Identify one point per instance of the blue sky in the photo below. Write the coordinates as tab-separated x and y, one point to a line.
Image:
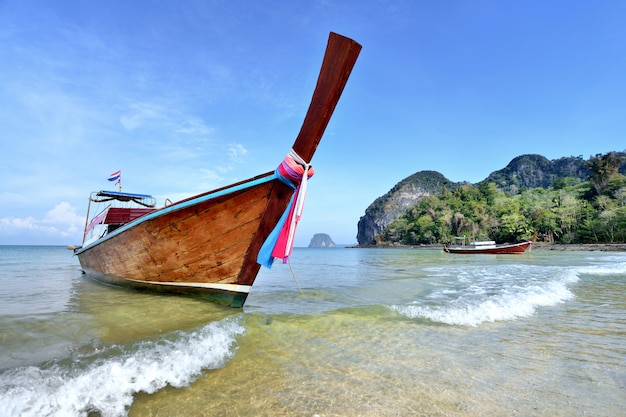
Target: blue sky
187	96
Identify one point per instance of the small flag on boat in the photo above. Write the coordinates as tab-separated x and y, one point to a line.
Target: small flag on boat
115	176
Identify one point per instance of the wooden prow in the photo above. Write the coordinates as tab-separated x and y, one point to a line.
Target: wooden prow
209	244
339	59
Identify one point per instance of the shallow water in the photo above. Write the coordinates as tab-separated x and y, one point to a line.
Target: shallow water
374	332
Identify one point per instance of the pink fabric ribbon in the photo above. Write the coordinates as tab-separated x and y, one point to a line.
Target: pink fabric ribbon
298	171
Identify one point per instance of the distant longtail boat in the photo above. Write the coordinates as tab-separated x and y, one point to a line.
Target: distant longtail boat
490	247
214	244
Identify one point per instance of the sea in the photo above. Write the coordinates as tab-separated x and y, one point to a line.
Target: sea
336	332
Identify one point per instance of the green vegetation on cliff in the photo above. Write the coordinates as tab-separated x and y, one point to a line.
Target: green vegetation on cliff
570	211
397	201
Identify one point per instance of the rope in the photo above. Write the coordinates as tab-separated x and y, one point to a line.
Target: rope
294	276
295	173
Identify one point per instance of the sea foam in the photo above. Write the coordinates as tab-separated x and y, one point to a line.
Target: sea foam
106	383
501	307
474	297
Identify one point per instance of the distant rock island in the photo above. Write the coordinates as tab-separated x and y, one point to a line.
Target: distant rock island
321	240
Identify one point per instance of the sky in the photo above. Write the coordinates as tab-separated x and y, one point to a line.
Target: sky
187	96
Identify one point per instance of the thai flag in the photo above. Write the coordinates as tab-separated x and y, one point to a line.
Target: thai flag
115	176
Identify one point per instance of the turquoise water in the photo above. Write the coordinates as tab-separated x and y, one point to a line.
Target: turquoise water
373	333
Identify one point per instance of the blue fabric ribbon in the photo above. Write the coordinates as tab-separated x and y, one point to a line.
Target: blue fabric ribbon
265	257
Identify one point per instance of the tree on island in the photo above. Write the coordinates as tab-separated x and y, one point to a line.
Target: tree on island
570	211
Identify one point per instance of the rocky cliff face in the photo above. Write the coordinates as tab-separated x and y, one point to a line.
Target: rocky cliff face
321	240
399	199
532	171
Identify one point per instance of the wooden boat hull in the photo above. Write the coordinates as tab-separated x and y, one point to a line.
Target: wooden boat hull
516	248
207	245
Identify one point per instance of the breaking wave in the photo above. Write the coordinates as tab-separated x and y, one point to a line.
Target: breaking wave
475	297
106	381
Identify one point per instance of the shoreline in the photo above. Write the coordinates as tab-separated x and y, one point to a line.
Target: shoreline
602	247
581	247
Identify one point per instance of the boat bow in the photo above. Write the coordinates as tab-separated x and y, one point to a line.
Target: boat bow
211	244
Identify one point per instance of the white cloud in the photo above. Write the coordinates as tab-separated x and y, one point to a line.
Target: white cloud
194	126
237	152
153	115
58	224
63	213
139	114
11	224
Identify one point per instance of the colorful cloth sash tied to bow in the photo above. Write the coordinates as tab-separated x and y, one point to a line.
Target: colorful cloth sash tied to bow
294	172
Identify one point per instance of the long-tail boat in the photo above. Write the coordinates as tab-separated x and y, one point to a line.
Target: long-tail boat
489	247
213	244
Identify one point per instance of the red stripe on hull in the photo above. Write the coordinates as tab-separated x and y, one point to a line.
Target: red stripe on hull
498	250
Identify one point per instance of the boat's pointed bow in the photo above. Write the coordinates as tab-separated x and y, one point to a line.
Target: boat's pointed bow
339	59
